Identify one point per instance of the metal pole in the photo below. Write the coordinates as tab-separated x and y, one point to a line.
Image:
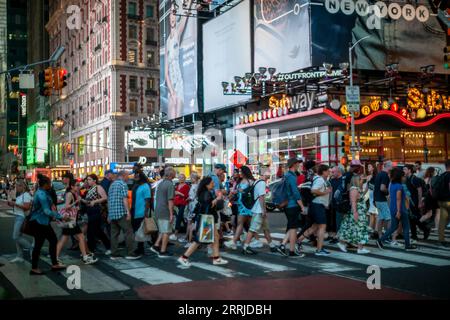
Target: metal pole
352	114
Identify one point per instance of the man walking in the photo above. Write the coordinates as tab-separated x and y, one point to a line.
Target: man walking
107	180
164	212
293	209
337	173
119	217
380	193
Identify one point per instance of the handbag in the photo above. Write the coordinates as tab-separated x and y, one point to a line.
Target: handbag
150	225
140	235
206	228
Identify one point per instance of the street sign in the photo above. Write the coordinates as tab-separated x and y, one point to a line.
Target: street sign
355	148
238	159
26	81
353	98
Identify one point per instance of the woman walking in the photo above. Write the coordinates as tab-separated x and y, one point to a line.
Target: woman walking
72	200
370	186
431	204
192	202
41	215
245	215
180	201
21	206
95	196
354	229
207	205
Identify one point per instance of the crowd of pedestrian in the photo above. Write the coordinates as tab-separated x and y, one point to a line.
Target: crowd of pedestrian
347	207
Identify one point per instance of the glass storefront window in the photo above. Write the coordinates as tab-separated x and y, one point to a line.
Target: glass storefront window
295	142
309	140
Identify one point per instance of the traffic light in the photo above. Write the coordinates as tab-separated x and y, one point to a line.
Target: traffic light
447	57
61	76
345	144
47	83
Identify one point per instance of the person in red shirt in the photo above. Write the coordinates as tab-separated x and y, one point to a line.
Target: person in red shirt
301	178
180	201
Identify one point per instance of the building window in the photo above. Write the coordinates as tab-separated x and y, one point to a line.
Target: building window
133	107
132	8
100	140
150	83
132	31
133	83
150	58
108	138
132	53
149	11
150	107
94	142
150	34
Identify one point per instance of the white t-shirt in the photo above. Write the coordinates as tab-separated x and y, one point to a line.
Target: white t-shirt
260	190
320	184
20	200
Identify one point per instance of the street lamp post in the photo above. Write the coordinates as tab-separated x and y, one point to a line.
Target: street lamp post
351	47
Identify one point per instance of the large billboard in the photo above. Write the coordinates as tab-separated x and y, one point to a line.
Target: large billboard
282	34
226	54
405	32
178	59
41	141
31	144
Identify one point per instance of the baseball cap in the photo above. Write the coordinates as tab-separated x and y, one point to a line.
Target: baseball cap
220	166
292	161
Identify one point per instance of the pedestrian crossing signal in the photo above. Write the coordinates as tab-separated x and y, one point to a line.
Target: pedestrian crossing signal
345	144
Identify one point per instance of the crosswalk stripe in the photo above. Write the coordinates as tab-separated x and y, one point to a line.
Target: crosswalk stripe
266	266
228	273
123	264
412	257
29	286
423	244
155	276
362	259
92	279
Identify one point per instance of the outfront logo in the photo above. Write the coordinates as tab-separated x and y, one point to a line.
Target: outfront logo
378	11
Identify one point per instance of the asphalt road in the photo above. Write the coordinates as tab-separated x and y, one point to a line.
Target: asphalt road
421	274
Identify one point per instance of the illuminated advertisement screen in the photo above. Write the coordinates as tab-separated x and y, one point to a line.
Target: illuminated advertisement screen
41	141
140	140
282	34
226	53
31	144
409	33
178	60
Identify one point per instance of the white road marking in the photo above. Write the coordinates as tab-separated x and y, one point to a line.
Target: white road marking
266	266
228	273
409	256
155	276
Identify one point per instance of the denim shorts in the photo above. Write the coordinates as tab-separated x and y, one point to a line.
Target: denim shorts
383	211
317	213
164	226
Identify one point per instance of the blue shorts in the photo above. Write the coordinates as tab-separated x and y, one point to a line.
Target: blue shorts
383	211
317	213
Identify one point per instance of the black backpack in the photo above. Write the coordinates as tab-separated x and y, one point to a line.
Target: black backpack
248	196
342	196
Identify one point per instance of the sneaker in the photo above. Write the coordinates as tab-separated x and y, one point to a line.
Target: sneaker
89	260
395	244
108	252
133	256
155	249
182	240
112	257
380	244
410	247
342	247
282	250
187	245
296	254
17	260
184	262
363	251
230	245
256	244
173	237
322	252
165	254
220	261
249	251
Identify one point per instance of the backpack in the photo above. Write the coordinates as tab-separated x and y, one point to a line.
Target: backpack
248	196
279	194
342	196
305	192
439	191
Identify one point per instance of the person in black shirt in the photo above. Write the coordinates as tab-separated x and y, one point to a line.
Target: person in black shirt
380	193
444	203
415	187
207	205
